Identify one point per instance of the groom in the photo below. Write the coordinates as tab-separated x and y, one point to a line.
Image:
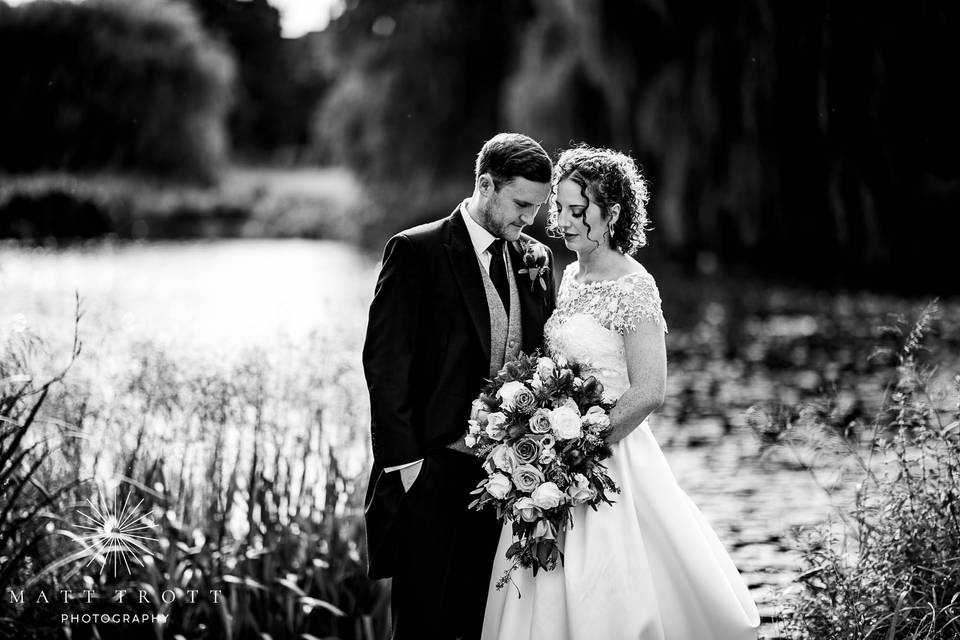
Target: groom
449	308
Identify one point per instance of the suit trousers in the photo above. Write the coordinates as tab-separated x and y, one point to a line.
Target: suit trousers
440	584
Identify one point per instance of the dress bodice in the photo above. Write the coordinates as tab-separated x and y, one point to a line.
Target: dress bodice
591	319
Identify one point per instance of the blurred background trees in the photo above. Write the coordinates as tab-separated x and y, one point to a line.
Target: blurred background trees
128	84
811	140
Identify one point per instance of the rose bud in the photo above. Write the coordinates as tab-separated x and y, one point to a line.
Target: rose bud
498	485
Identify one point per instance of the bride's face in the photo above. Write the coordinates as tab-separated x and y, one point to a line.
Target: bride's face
580	219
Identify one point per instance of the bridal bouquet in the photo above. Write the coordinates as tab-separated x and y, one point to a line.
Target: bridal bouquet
540	428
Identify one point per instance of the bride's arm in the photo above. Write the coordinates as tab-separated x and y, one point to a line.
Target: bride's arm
646	355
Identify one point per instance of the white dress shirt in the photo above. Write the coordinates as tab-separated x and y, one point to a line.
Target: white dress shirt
481	239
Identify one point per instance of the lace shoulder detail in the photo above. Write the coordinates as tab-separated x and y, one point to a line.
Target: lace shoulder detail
639	301
618	305
569	272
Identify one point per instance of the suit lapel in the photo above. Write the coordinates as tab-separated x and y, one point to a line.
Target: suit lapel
466	270
531	302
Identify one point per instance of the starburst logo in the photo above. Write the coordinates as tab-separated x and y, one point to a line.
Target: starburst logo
115	535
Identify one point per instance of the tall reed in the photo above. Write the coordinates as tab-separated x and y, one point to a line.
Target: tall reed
250	474
890	568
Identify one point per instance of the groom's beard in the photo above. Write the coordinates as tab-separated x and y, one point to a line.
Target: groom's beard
492	222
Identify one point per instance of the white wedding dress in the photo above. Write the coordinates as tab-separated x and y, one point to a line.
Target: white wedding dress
648	568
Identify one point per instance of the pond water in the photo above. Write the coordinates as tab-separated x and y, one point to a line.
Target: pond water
222	296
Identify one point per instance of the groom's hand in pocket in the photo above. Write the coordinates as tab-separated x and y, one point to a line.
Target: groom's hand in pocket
409	475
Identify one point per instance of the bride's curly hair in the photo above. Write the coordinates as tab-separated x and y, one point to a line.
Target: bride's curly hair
611	178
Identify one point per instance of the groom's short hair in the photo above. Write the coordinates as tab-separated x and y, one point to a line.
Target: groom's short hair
506	156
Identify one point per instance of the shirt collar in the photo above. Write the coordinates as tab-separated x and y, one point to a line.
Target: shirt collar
479	237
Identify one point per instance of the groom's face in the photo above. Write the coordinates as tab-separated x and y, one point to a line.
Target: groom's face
504	212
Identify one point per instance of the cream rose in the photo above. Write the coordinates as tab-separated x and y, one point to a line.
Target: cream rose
536	381
547	456
495	425
580	490
499	485
595	419
540	421
527	510
547	496
475	407
504	458
508	393
545	368
595	411
565	423
527	478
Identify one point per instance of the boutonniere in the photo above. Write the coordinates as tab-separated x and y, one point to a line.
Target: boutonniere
535	261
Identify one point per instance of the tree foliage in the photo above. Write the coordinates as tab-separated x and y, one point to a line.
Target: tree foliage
771	132
418	85
278	83
131	84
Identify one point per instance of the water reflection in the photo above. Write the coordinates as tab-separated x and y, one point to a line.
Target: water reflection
198	295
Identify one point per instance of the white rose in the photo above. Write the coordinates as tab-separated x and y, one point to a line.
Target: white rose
473	427
526	509
596	418
565	423
470	440
508	393
504	458
495	422
545	367
547	456
595	411
580	490
547	496
536	381
499	485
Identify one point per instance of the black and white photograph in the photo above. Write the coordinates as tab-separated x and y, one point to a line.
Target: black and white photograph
497	320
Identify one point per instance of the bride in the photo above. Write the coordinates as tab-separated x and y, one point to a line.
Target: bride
649	567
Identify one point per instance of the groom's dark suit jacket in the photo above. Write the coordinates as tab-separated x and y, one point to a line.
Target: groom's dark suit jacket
426	355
